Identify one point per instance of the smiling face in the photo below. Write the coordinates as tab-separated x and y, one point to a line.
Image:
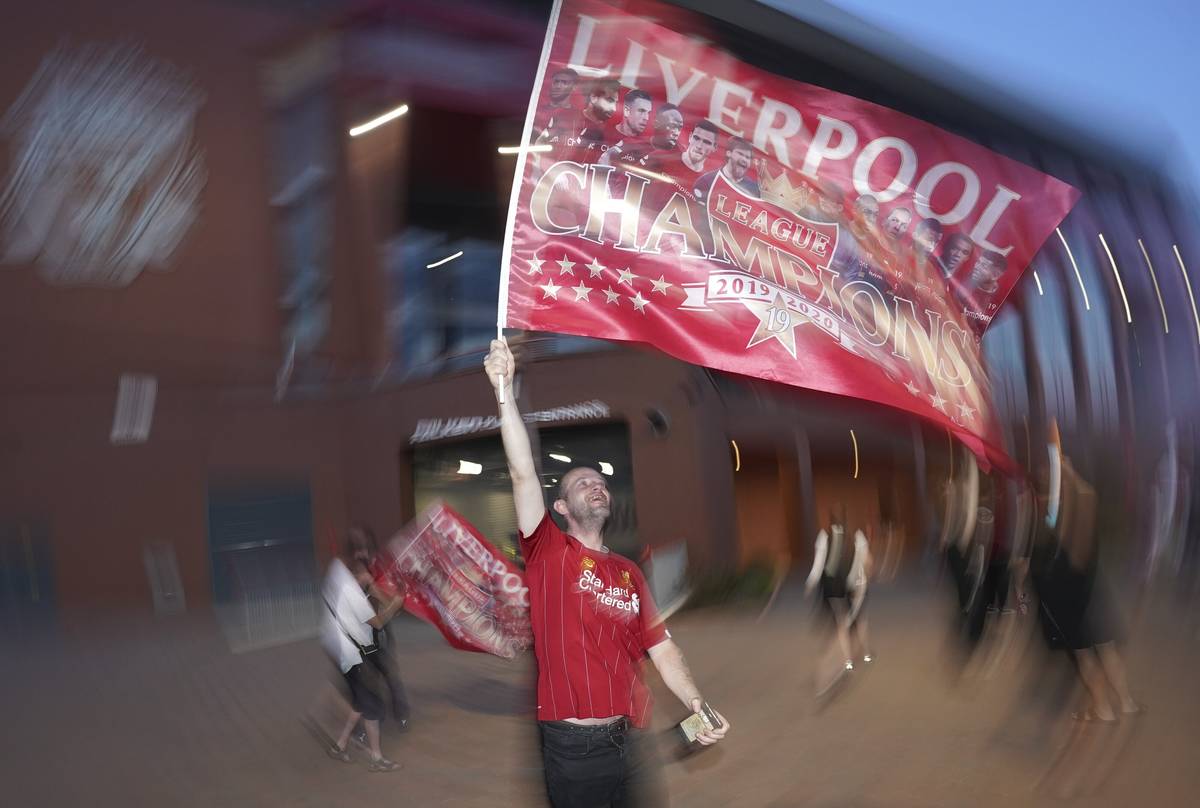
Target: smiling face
583	497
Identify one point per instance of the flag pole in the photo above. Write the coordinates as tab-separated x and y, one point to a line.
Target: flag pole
518	175
500	376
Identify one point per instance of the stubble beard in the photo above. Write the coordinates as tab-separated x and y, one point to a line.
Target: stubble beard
590	516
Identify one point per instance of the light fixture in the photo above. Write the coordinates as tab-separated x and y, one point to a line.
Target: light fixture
561	458
606	468
1117	274
539	147
737	456
444	260
390	115
1153	277
1191	297
854	443
1086	304
467	467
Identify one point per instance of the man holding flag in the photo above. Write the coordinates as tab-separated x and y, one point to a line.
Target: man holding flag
593	622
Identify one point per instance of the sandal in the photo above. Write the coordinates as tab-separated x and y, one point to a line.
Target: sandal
338	753
383	765
1089	715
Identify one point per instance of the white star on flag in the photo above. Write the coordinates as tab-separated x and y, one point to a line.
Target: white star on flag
549	290
612	296
626	277
595	268
535	266
566	267
639	302
939	403
775	321
912	388
965	411
581	292
661	286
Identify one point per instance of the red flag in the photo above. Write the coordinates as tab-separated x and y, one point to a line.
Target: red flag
458	582
747	222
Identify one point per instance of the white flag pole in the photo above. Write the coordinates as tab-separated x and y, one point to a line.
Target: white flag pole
518	176
500	376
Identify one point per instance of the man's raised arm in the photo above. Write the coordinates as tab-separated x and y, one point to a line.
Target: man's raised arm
527	488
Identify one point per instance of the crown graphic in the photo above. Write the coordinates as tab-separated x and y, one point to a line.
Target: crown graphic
779	190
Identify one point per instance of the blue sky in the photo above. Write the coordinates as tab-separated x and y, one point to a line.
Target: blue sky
1126	71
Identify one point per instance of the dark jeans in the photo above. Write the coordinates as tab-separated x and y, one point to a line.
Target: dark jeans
608	766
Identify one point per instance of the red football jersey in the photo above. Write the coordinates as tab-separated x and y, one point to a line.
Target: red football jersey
593	622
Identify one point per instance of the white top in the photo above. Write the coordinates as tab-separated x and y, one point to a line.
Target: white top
346	599
858	572
858	568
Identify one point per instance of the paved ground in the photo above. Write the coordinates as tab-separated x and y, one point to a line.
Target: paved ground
135	712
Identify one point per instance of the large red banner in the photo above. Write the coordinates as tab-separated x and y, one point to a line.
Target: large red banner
455	580
672	195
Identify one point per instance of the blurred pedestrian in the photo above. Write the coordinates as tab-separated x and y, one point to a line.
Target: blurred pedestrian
841	570
347	636
966	523
1073	606
862	569
384	588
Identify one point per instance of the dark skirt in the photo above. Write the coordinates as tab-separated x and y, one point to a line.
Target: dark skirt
1073	611
833	586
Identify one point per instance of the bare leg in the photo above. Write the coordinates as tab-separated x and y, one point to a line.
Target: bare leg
860	629
1097	686
373	739
1114	669
344	738
859	616
842	621
832	663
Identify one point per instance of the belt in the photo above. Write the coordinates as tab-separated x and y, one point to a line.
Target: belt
620	725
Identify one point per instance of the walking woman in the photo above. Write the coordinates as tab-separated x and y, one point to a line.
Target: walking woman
841	568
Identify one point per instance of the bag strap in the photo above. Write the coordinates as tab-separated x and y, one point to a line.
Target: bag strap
362	650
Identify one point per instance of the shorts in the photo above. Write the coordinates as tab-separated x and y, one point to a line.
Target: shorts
363	697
